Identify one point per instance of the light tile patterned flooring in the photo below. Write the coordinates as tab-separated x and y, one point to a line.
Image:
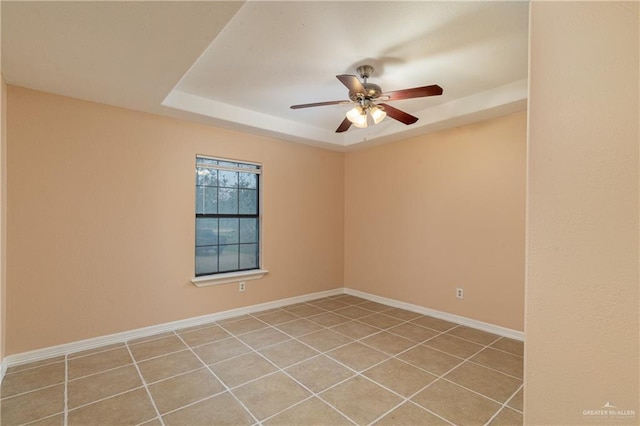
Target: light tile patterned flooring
332	361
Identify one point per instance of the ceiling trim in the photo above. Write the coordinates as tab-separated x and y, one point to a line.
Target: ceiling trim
479	106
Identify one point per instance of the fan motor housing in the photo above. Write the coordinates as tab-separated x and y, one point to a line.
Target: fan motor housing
372	91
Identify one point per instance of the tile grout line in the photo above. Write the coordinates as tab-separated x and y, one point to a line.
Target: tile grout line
278	369
503	351
313	395
317	355
408	399
34	390
187	347
506	403
51	416
359	340
138	387
144	384
227	388
134	363
22	370
389	356
439	333
404	321
468	359
107	397
182	373
402	397
440	377
332	328
388	329
493	369
298	317
282	370
99	372
168	353
356	373
513	396
501	409
222	392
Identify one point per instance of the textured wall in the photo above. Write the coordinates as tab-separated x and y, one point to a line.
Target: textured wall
101	219
3	215
582	239
429	214
3	185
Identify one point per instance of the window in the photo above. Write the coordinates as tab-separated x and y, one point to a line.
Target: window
227	216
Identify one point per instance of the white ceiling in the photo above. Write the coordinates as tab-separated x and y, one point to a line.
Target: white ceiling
241	65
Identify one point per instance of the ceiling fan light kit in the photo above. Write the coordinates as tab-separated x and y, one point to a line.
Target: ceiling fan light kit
377	113
365	95
358	116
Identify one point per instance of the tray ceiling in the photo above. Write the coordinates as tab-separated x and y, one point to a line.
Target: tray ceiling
240	65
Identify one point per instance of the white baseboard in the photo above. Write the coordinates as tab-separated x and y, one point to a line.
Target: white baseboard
484	326
3	369
82	345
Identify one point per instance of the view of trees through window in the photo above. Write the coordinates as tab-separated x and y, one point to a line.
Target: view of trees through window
227	216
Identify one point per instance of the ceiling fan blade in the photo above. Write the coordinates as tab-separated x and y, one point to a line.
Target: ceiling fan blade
352	83
317	104
344	126
416	92
396	114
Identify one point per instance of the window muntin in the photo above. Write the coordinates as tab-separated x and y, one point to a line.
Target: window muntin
227	216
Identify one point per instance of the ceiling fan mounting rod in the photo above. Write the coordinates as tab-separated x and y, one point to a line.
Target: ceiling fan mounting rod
365	71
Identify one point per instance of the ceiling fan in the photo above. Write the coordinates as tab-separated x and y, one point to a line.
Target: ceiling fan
368	96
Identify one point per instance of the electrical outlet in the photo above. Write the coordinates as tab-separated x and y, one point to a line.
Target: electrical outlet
242	286
459	293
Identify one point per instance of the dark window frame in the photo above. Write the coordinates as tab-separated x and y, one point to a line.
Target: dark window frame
253	168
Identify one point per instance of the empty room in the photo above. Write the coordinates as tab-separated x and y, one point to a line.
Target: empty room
319	213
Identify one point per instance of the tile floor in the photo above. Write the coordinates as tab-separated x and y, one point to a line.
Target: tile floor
332	361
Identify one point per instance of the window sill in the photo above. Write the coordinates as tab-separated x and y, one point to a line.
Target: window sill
208	280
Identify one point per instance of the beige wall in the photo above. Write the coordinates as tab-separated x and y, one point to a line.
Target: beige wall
100	220
3	210
3	129
445	210
582	238
101	224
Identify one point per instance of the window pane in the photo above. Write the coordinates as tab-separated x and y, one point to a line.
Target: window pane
226	241
229	258
210	200
248	201
248	166
248	230
206	260
208	177
248	180
229	231
227	201
228	163
227	179
248	256
199	199
205	160
206	200
206	232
